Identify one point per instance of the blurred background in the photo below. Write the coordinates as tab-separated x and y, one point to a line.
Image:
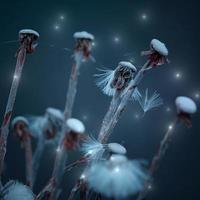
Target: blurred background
122	30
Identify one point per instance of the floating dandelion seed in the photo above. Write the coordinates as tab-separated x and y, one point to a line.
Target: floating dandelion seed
20	127
14	190
122	177
185	108
27	39
150	103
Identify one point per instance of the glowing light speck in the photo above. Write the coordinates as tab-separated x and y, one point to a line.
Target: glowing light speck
168	109
62	17
58	150
82	176
149	187
15	76
178	75
144	16
170	127
116	39
116	169
197	95
56	27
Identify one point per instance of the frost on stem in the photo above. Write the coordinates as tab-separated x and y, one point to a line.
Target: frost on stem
185	108
117	177
27	38
149	103
13	190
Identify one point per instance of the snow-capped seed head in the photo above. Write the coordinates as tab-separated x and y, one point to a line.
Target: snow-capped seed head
123	74
19	119
159	47
75	125
118	159
116	148
14	190
185	105
83	35
83	46
29	32
128	64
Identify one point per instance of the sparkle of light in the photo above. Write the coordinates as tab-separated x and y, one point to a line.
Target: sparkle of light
56	27
149	187
116	39
82	176
197	95
58	150
170	127
168	109
15	76
144	16
116	169
62	17
178	75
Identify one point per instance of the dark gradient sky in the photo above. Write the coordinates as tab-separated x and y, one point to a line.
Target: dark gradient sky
45	78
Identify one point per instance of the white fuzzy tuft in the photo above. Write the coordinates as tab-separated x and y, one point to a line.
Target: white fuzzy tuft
104	81
14	190
136	95
93	149
149	103
118	181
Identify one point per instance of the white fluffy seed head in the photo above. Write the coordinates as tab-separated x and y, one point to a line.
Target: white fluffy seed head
75	125
118	181
159	47
185	105
14	190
